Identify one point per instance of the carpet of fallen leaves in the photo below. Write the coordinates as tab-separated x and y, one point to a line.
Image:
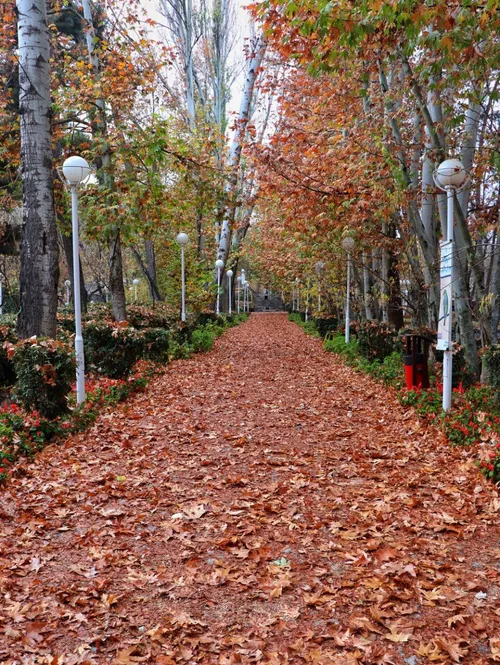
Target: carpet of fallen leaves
260	503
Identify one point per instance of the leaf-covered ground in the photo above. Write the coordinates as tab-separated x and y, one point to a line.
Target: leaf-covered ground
260	503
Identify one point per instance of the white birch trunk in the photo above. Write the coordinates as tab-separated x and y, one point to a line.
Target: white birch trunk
234	159
366	289
39	251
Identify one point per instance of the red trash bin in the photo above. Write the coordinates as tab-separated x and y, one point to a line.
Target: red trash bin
416	354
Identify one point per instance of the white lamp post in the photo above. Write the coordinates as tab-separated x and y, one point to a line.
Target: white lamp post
297	291
135	282
245	296
348	245
182	240
219	264
238	289
449	176
307	300
67	284
230	285
75	171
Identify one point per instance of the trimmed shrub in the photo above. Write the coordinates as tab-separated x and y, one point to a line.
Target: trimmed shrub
66	320
45	370
336	344
203	339
112	349
325	324
376	340
143	317
156	344
203	318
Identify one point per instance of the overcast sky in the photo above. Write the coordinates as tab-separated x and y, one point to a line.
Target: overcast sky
242	34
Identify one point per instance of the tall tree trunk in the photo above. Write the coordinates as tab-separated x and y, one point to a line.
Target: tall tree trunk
118	305
148	269
39	274
149	248
234	159
115	262
366	289
495	288
384	289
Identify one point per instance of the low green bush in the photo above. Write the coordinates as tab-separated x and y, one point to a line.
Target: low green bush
140	316
112	350
66	320
376	340
205	317
326	324
45	371
156	344
22	434
391	370
202	339
336	344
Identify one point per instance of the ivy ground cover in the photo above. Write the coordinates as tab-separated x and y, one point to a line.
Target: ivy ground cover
260	503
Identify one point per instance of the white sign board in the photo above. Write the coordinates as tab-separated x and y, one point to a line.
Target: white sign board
444	341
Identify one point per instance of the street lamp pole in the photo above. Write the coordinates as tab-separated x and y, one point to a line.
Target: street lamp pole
243	284
230	285
182	240
238	291
219	264
450	176
307	300
135	282
348	245
75	171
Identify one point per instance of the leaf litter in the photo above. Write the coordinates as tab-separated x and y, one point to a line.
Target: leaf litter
261	503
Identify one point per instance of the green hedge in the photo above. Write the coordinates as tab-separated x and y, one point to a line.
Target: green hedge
326	325
45	370
156	344
112	350
376	340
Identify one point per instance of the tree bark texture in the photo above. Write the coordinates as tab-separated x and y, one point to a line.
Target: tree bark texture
259	48
118	306
116	286
39	273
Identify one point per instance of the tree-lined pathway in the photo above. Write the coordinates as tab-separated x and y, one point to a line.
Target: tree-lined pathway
260	503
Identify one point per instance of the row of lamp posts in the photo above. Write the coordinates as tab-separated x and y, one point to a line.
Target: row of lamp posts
75	172
450	176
